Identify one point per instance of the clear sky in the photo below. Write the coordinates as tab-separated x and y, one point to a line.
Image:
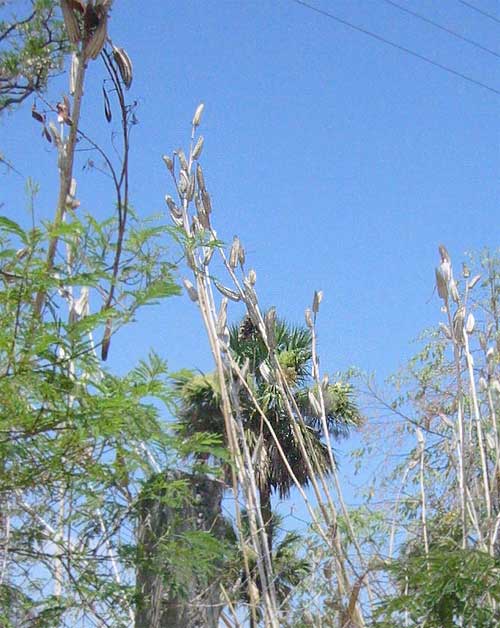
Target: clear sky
341	161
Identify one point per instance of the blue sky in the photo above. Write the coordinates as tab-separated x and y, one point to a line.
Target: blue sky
340	161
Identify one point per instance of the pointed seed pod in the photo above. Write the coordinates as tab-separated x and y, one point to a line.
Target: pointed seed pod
70	21
200	178
75	62
182	159
172	206
465	271
222	316
55	134
454	292
191	290
183	182
252	277
441	284
445	256
318	296
207	204
458	324
469	325
226	292
309	318
198	148
107	105
482	384
234	252
124	64
191	188
98	37
197	114
38	116
168	162
473	281
270	324
495	386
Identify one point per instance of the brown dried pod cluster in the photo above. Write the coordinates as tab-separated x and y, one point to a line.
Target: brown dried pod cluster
124	65
87	23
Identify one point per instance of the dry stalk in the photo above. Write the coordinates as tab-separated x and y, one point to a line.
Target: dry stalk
199	235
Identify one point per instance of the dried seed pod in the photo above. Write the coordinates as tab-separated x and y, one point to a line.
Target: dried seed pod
225	337
483	385
207	204
75	62
95	28
309	318
107	105
182	159
325	383
38	116
202	215
458	324
495	386
469	325
172	206
208	252
252	277
168	162
473	281
198	148
270	324
226	292
441	283
70	20
454	292
465	271
483	343
200	178
318	296
191	290
124	64
191	188
183	182
234	252
197	114
445	256
47	135
250	294
222	316
241	257
55	134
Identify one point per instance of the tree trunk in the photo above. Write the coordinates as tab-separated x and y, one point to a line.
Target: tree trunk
161	604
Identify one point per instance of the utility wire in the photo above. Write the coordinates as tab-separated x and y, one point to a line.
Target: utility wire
443	28
471	6
417	55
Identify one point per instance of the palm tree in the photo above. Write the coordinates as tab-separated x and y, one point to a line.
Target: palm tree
199	397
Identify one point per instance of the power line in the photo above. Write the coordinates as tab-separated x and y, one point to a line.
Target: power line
443	28
417	55
471	6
